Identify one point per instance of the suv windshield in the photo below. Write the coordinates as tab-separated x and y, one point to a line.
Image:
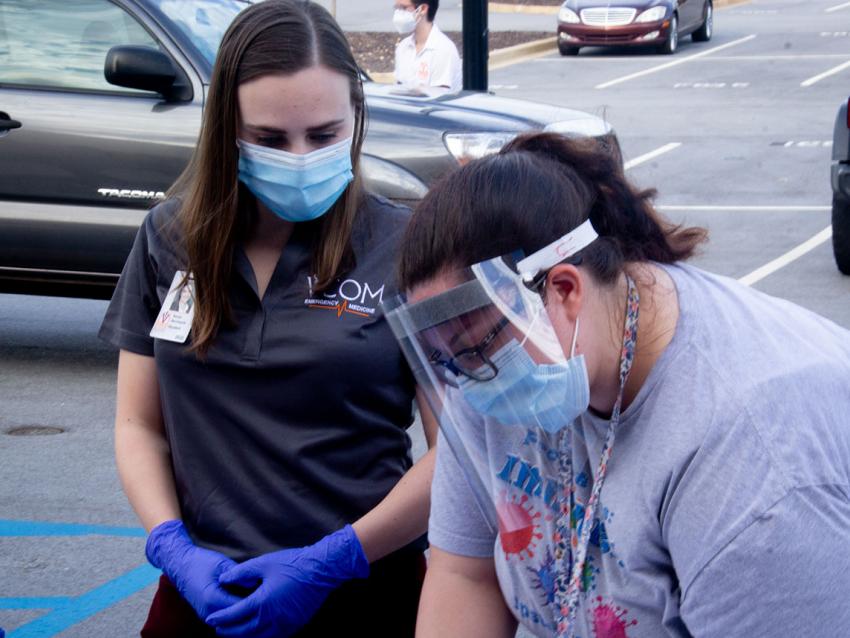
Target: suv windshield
202	22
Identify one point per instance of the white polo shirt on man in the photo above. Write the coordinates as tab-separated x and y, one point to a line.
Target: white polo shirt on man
437	64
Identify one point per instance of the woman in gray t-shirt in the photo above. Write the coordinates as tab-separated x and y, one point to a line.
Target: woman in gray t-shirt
630	446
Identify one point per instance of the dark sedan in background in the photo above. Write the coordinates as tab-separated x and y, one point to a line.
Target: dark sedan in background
658	23
100	108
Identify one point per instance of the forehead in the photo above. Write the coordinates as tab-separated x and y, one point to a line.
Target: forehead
307	98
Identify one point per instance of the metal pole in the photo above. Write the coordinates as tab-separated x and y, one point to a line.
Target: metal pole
475	45
333	8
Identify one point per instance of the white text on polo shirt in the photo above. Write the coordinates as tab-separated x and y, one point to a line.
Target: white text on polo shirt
350	296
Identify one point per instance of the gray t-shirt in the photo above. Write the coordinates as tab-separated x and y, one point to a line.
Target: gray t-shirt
726	507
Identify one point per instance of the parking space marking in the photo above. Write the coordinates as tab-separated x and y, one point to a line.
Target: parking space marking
825	74
65	611
674	207
711	85
759	58
669	65
804	144
651	155
780	262
837	7
47	528
76	610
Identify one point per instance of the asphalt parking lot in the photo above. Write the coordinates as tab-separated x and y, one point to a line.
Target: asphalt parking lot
734	133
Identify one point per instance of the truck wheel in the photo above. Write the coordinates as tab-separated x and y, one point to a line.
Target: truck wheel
841	234
703	34
567	50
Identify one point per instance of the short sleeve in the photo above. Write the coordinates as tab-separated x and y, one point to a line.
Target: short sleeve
786	574
135	304
445	66
457	524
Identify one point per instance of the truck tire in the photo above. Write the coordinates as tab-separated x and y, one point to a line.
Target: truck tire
841	233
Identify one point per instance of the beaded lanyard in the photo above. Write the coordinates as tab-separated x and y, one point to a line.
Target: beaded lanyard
567	541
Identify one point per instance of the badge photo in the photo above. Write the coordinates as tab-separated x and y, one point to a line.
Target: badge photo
178	309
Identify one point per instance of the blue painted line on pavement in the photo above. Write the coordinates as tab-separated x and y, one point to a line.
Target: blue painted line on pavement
46	528
78	609
46	602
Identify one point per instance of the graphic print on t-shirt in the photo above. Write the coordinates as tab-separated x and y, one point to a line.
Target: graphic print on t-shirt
527	505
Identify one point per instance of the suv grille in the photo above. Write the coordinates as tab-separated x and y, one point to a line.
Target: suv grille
608	16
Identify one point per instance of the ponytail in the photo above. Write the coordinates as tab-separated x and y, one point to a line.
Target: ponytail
630	228
536	189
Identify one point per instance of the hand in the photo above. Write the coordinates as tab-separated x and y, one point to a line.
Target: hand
293	584
193	570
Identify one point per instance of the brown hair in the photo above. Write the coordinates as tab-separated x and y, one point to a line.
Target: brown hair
270	37
536	189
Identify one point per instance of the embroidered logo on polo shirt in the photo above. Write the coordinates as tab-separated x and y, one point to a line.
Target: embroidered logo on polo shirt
350	296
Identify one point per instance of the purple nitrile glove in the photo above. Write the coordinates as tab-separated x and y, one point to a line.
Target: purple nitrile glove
193	570
293	584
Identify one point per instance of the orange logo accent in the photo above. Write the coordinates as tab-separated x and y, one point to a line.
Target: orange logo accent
340	308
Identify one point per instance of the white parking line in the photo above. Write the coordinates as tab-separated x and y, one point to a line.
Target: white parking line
825	74
745	209
651	155
655	69
780	262
837	7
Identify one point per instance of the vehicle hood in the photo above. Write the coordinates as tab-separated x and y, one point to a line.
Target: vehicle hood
576	5
477	111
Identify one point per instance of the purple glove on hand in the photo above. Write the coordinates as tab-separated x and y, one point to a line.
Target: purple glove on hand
193	570
290	584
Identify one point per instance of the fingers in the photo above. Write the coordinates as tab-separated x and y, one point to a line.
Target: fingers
248	575
247	628
244	612
218	598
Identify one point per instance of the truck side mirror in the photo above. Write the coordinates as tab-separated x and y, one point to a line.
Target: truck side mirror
147	69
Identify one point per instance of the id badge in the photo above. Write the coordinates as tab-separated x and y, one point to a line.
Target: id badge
175	317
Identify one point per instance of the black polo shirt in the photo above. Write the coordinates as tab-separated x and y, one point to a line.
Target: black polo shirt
294	424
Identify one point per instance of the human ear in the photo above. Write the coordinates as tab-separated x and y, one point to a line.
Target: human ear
565	288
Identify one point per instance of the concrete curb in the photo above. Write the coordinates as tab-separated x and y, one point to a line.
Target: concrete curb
535	9
498	58
521	52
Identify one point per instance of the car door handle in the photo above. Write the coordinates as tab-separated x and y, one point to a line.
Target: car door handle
7	123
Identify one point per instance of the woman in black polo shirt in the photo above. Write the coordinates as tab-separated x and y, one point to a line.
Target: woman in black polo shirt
260	431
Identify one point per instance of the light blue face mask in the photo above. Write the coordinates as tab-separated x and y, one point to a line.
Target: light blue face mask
297	188
525	393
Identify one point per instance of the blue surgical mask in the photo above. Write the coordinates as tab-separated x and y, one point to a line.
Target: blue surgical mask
297	188
525	393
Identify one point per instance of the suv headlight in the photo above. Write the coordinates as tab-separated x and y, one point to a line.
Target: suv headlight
568	15
652	15
466	147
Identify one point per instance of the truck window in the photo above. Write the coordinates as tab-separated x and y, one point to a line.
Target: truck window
61	44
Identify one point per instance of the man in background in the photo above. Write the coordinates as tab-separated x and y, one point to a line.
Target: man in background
426	57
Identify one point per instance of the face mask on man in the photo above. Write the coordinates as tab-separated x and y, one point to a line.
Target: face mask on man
296	188
405	21
526	393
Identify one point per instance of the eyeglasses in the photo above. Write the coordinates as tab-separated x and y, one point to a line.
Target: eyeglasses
469	362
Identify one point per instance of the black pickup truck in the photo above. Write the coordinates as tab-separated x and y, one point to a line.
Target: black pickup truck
85	150
841	188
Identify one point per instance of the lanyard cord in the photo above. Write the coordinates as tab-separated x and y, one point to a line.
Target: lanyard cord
570	547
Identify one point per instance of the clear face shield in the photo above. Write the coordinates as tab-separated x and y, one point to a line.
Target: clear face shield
484	353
